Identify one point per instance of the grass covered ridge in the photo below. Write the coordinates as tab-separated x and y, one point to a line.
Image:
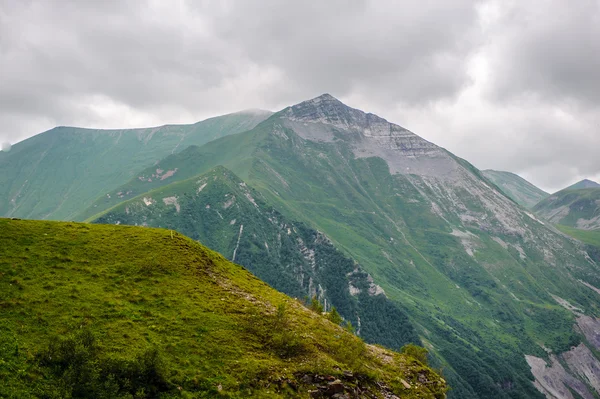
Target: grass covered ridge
116	311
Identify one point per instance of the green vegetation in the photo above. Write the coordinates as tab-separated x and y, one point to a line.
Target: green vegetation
59	173
221	211
590	237
123	312
515	187
577	208
494	302
439	257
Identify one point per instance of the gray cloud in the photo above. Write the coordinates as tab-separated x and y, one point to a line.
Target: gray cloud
506	85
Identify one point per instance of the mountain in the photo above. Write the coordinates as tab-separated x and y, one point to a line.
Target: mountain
57	173
583	184
515	187
579	208
113	311
220	210
506	304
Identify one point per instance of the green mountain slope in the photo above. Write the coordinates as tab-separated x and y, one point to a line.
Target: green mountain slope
123	312
475	272
220	210
579	208
586	236
518	189
57	174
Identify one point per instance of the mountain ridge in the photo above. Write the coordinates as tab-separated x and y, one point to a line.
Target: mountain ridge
517	188
585	183
51	174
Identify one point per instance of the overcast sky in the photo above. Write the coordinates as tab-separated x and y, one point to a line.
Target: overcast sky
508	85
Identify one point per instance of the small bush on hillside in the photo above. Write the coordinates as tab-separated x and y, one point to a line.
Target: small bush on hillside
275	332
415	352
83	372
334	317
285	342
315	305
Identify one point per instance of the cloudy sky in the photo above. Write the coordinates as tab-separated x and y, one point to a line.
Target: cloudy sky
508	85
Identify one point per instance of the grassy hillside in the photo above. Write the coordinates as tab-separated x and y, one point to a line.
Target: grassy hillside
223	212
577	208
123	312
520	190
59	173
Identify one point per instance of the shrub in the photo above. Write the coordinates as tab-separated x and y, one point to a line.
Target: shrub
334	317
416	352
83	372
315	305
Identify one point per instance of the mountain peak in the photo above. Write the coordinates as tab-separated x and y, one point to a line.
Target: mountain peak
585	183
331	111
326	119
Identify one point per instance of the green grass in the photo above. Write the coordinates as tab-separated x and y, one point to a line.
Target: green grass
590	237
59	173
515	187
160	307
576	208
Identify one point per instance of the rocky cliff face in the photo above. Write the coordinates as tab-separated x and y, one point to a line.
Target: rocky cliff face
326	119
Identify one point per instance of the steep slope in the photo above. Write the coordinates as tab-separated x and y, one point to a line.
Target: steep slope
474	271
107	311
585	183
220	210
518	189
579	208
57	174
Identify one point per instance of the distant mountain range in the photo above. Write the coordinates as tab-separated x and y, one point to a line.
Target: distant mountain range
410	242
520	190
583	184
576	206
56	173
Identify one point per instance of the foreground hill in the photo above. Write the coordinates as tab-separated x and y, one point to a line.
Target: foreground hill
473	270
518	189
118	312
56	174
578	208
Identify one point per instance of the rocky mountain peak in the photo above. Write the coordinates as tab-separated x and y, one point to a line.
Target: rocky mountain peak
331	111
326	119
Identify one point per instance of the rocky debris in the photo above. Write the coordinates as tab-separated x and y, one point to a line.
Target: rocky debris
350	386
554	381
